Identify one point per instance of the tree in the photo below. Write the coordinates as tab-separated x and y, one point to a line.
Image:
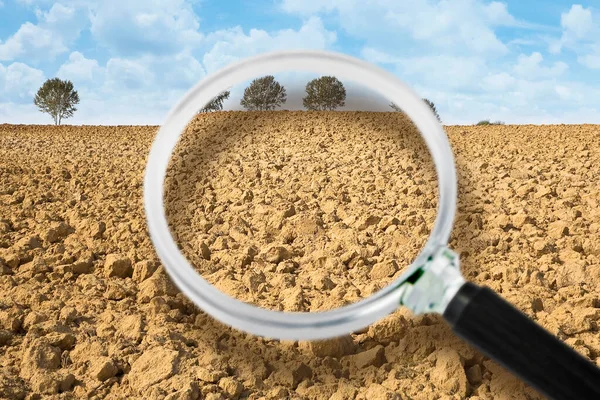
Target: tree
216	104
427	101
324	93
432	106
57	98
263	94
395	107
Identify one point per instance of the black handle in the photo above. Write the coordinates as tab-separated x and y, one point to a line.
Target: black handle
483	318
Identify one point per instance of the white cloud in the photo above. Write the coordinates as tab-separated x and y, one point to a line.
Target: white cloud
153	73
149	85
305	7
530	67
447	71
72	3
232	44
141	88
468	89
79	69
577	22
56	15
449	25
379	57
461	26
19	82
137	27
498	82
580	28
31	39
123	74
591	61
449	52
137	90
180	71
55	31
563	92
497	14
22	113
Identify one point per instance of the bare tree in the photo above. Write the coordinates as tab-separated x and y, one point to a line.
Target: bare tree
324	93
263	94
57	98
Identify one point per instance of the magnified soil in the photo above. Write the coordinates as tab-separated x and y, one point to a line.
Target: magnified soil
87	311
301	212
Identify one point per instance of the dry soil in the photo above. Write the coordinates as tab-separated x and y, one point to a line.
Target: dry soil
294	211
307	214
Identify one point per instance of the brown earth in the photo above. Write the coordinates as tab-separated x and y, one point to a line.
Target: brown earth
307	215
86	310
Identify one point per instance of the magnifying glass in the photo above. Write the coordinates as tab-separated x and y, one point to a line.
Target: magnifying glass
431	284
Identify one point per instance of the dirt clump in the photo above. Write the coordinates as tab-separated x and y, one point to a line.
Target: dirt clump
295	211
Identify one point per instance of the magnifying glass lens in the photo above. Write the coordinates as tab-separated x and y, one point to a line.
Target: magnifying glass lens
305	201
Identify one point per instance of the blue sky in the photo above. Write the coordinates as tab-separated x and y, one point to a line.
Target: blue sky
535	61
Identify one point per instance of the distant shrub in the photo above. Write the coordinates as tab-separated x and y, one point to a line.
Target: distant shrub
488	122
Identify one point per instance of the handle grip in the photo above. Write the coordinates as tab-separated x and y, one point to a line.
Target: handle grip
483	318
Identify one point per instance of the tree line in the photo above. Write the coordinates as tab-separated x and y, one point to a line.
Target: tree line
59	98
265	94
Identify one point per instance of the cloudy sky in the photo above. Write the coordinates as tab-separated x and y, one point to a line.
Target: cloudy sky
534	61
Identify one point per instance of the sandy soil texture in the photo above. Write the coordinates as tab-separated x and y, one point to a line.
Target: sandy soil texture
87	311
305	215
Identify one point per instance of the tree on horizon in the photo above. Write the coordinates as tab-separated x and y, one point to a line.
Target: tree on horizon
324	93
57	98
264	94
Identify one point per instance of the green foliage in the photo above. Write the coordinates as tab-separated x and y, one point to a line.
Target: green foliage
396	108
57	98
487	122
324	93
263	94
216	104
